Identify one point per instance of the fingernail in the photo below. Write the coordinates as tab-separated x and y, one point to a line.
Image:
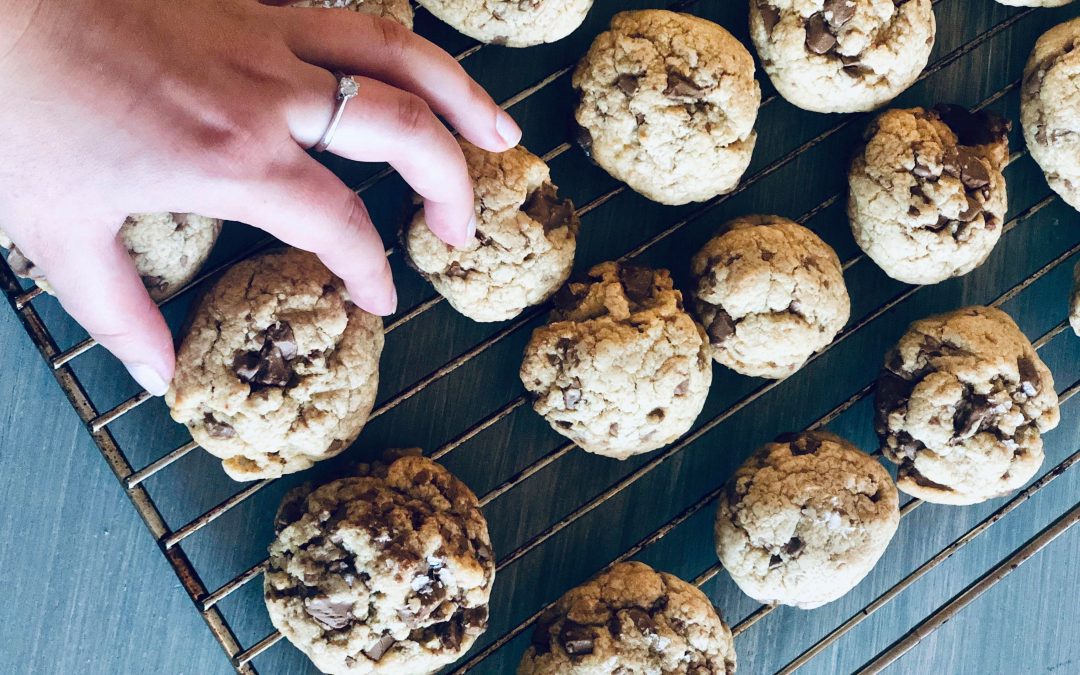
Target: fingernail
508	129
148	378
470	231
392	306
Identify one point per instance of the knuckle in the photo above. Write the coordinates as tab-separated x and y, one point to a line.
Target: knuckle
393	39
413	115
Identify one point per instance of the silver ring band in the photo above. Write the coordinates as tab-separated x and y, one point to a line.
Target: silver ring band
346	89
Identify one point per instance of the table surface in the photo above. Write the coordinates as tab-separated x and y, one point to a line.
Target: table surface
89	591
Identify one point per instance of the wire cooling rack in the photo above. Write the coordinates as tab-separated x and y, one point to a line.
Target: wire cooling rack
558	515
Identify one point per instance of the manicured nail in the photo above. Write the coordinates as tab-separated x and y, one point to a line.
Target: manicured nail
148	378
393	302
470	231
508	129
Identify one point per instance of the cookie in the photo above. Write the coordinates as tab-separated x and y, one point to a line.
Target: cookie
842	55
621	369
398	10
631	619
1050	108
667	104
770	293
386	571
805	519
511	23
525	239
279	369
167	248
961	404
927	196
1074	301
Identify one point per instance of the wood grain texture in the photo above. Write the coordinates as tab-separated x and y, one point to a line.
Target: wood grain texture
84	601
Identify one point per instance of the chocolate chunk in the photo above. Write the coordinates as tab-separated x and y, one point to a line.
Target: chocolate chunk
971	212
770	15
584	140
475	619
571	397
246	365
839	12
775	561
627	83
950	162
680	86
970	415
154	282
576	640
794	546
545	207
639	118
819	40
330	614
568	297
613	430
1029	377
450	633
456	270
637	282
721	327
272	370
973	173
642	620
216	428
379	649
281	336
807	444
682	387
893	391
973	128
908	470
922	171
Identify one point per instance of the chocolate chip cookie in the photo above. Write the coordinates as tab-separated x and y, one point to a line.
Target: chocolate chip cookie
770	293
805	519
668	104
927	195
631	619
842	55
511	23
622	368
398	10
1050	108
168	249
525	240
961	404
386	571
279	369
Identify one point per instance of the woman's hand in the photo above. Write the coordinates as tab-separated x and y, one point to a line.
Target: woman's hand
111	107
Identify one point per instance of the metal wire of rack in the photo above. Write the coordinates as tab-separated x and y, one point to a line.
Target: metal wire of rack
208	600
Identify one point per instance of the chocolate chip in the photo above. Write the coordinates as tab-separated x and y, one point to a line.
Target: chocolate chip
655	416
770	15
682	387
807	444
571	397
642	620
970	415
973	128
544	206
584	140
680	86
639	118
794	546
1029	377
268	366
973	173
379	649
281	336
721	327
971	212
627	83
218	429
839	12
450	633
775	561
273	371
637	282
922	171
330	614
154	283
576	640
613	430
456	270
819	40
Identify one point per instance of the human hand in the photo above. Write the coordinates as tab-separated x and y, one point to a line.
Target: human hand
111	107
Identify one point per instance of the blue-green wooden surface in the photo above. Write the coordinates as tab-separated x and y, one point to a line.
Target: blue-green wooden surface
87	590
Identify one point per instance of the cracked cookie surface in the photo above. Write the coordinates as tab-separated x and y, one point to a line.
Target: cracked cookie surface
386	571
621	368
805	519
927	196
278	369
667	104
1050	108
398	10
525	240
770	293
511	23
961	406
631	620
842	55
168	249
